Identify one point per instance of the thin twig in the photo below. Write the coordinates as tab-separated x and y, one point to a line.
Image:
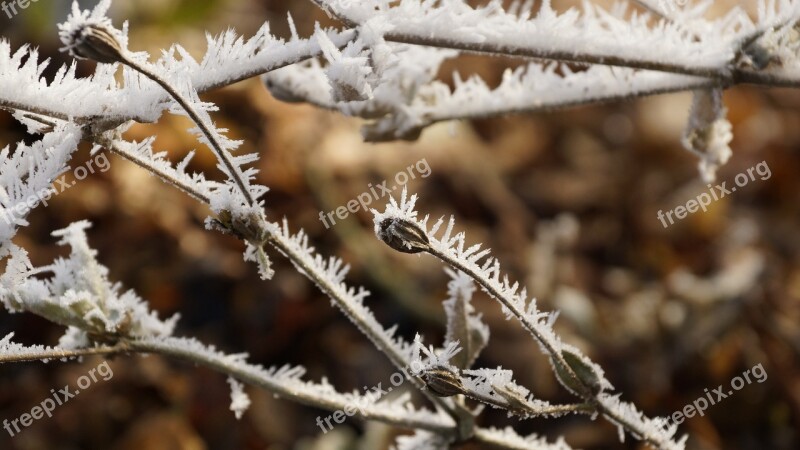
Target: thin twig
146	165
527	411
726	76
254	376
334	292
490	48
434	117
223	155
248	374
58	353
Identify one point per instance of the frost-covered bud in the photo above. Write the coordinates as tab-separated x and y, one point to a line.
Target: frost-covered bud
250	227
587	377
403	235
442	382
96	42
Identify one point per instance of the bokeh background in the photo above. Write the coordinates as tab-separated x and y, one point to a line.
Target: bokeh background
566	200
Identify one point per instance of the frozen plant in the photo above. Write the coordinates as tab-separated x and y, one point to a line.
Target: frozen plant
381	66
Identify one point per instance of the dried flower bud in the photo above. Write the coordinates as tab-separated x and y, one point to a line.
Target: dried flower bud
442	382
586	374
403	235
250	228
96	42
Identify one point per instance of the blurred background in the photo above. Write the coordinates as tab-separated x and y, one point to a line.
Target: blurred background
568	202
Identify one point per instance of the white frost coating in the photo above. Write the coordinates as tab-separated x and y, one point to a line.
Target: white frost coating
400	96
10	349
508	438
365	65
464	325
78	294
781	47
253	253
231	196
430	358
287	381
239	399
302	82
487	382
350	300
348	70
239	192
708	132
718	151
592	31
612	37
142	153
29	173
658	430
422	440
480	384
228	58
534	87
73	339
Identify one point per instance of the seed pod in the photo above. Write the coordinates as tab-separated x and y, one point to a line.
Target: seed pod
97	43
586	375
442	382
403	235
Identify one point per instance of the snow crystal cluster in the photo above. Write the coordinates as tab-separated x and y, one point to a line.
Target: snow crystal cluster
78	294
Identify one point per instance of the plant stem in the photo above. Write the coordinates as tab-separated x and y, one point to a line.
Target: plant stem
222	154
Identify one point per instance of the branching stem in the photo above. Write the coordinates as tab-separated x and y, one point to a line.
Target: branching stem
222	154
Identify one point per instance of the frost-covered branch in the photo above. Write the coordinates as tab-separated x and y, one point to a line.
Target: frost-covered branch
27	176
286	382
80	297
508	438
142	155
329	278
328	274
15	352
593	35
494	387
228	59
465	327
399	227
402	114
91	35
533	88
